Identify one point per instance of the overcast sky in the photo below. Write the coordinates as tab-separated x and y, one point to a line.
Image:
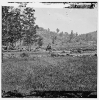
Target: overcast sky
55	16
78	20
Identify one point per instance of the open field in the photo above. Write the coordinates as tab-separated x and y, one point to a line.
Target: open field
49	52
46	73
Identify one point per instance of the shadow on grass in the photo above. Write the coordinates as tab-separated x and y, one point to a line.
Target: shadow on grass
50	94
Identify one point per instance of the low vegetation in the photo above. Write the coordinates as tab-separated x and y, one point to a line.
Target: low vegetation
50	74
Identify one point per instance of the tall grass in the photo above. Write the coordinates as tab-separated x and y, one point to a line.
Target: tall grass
50	74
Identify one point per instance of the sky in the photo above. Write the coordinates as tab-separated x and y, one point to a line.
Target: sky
55	16
78	20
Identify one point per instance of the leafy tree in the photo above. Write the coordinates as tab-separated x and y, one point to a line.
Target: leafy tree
57	30
88	37
5	13
28	22
76	34
53	39
10	25
40	41
48	30
71	36
17	24
61	34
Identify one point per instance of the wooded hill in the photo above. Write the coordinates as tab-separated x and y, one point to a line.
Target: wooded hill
64	39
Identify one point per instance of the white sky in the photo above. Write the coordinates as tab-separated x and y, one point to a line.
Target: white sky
78	20
55	16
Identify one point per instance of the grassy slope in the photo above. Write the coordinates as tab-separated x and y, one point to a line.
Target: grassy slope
46	73
58	42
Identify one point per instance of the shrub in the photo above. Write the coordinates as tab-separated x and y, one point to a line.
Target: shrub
63	51
95	54
54	55
24	55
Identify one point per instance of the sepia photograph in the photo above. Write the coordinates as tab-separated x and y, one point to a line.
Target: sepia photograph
49	49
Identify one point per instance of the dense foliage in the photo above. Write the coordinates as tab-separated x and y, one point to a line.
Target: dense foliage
17	24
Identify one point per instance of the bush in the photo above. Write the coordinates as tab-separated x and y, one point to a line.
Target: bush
24	55
95	54
63	51
54	55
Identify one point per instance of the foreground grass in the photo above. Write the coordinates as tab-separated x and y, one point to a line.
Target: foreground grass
50	74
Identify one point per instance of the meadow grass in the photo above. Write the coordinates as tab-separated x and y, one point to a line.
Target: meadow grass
50	74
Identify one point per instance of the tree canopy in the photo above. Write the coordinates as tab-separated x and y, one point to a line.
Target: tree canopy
18	24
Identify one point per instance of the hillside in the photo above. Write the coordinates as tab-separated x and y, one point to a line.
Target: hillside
91	36
62	39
